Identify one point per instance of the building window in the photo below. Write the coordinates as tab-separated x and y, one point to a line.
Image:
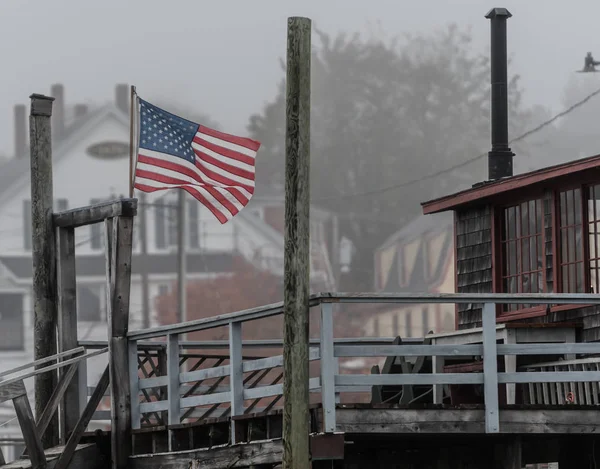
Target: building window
571	237
165	225
569	218
11	322
593	213
522	247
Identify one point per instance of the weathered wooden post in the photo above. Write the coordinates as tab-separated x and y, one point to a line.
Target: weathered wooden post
119	242
296	268
43	254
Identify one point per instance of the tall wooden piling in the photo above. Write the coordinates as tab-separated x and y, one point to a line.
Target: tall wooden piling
43	254
297	265
119	233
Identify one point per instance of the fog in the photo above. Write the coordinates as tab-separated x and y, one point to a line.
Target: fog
222	57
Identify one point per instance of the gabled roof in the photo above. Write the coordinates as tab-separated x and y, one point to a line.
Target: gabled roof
17	170
421	228
417	228
487	190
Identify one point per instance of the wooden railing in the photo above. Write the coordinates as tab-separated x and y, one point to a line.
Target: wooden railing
564	393
12	387
174	401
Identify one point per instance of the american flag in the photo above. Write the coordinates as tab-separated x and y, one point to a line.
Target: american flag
214	167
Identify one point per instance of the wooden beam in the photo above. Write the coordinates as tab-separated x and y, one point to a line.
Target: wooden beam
59	392
43	253
119	243
219	457
96	213
461	421
67	324
32	439
297	246
82	423
11	391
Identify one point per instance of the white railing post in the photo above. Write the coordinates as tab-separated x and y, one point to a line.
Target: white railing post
173	380
134	384
328	367
236	374
490	368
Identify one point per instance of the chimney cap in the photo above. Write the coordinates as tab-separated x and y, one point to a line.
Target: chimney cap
497	13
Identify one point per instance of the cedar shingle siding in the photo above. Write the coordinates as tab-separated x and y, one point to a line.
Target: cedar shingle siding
473	260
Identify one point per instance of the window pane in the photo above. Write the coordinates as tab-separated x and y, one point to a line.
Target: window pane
571	241
523	249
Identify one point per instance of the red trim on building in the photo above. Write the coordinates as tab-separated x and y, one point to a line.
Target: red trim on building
491	189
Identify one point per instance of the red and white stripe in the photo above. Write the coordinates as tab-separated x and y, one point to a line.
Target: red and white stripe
222	178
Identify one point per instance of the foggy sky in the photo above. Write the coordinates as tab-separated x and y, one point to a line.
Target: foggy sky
221	58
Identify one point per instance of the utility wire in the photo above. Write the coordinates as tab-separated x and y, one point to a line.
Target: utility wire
464	163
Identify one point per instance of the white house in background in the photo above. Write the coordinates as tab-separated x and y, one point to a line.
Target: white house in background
90	164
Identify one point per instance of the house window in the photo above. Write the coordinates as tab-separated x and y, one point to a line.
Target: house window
11	321
165	225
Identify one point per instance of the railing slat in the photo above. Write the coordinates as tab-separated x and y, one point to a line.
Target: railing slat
490	369
406	379
328	368
173	374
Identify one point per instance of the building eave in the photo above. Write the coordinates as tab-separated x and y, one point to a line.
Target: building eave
492	189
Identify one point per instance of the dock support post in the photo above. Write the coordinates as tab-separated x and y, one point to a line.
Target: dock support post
44	255
296	449
119	244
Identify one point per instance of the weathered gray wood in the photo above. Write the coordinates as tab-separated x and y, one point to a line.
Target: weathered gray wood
67	322
84	420
96	213
119	253
43	253
462	298
10	391
61	390
53	358
53	367
134	384
457	421
33	443
218	457
297	246
86	456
